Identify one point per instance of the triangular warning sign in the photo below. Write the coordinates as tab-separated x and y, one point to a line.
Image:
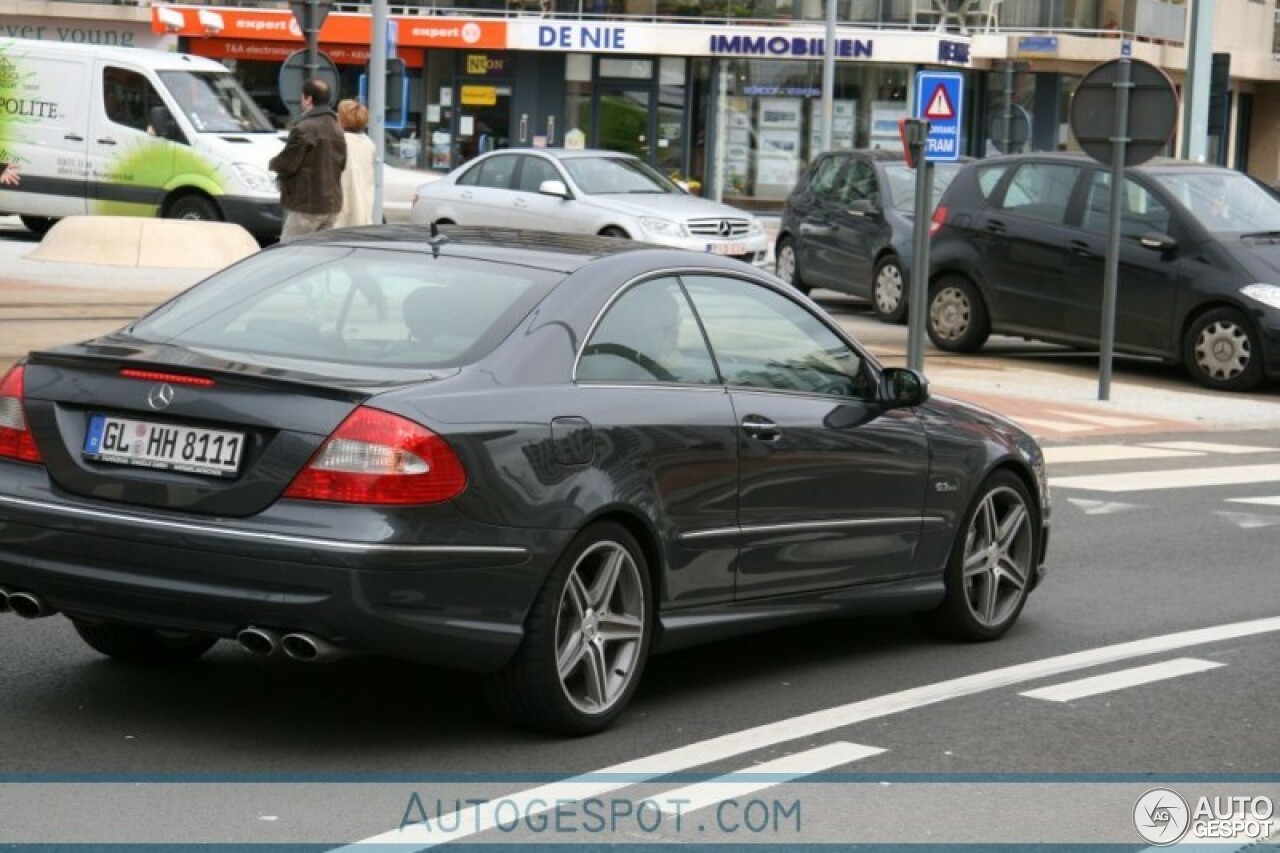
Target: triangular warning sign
940	104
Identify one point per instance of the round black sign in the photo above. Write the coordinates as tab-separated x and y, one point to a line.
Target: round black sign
293	73
1013	122
1153	111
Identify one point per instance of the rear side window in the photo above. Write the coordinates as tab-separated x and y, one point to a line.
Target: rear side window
496	172
358	306
533	172
649	334
823	181
1141	212
1041	191
988	177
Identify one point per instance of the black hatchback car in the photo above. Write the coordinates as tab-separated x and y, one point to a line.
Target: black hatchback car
533	455
1020	248
847	226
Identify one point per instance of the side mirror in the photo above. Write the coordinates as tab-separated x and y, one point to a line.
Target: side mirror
863	207
902	388
555	188
163	125
1157	242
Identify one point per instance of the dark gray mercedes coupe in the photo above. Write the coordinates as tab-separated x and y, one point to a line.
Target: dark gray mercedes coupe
537	456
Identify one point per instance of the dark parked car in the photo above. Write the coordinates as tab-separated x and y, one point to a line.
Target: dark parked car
1020	248
847	226
536	455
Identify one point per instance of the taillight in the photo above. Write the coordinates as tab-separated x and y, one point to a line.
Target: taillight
375	457
16	440
939	219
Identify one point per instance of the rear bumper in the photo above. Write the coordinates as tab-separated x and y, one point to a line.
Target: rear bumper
459	604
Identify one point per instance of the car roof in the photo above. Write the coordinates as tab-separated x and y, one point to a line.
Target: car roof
558	252
1155	164
570	153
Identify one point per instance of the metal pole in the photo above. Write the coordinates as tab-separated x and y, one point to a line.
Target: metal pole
919	263
312	34
829	75
1007	148
378	101
1110	280
1195	97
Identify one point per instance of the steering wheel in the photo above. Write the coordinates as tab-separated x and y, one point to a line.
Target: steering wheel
639	359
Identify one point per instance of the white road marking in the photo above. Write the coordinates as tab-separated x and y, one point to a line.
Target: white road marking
1249	521
1138	481
731	785
1099	420
1102	507
533	801
1121	680
1108	453
1056	426
1207	447
1267	501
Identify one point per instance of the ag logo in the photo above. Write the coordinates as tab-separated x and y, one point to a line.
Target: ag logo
1161	817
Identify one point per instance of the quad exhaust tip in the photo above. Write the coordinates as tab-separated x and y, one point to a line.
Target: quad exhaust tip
309	649
258	641
28	605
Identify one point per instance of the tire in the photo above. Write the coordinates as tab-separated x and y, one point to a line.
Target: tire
787	265
565	621
141	645
889	291
992	565
38	225
957	315
1222	351
615	232
195	207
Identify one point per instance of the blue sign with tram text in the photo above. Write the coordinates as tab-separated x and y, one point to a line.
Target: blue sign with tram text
940	101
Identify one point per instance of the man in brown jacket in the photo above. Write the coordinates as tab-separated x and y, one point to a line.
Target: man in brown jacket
309	168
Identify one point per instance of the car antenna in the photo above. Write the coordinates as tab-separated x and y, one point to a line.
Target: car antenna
436	240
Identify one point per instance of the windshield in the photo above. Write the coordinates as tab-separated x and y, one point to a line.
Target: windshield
356	306
1224	201
901	189
611	175
214	102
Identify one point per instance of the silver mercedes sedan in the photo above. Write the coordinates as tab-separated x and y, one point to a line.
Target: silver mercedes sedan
587	192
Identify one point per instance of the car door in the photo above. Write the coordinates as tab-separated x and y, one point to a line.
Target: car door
810	207
535	210
483	194
1148	281
830	487
1023	240
857	216
131	163
664	428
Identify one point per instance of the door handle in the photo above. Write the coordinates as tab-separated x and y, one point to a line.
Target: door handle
760	428
1081	248
806	228
520	203
995	226
466	193
106	142
524	128
74	137
551	130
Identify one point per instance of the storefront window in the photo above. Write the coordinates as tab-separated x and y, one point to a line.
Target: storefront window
769	124
577	99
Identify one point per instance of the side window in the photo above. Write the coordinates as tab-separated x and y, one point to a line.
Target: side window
535	170
648	335
1142	212
1041	191
988	178
764	340
127	98
471	177
496	172
860	184
823	182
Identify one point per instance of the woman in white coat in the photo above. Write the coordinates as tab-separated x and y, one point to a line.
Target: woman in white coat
357	177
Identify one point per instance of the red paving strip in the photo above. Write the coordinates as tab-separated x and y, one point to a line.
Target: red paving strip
1049	419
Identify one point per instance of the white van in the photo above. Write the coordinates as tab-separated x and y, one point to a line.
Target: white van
131	132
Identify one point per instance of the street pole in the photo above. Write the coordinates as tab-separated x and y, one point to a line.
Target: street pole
1007	148
915	133
1195	99
312	34
829	76
1110	281
378	101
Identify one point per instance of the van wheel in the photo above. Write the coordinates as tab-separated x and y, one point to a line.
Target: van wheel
38	225
195	207
1222	351
957	317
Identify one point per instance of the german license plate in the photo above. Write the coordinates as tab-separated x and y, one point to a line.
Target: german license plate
726	248
168	447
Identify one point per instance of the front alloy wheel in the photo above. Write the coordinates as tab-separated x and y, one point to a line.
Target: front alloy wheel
586	638
993	562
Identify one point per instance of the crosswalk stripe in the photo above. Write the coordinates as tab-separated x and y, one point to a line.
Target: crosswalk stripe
1209	447
1189	478
1267	501
1056	426
1099	420
1109	453
759	777
1112	681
